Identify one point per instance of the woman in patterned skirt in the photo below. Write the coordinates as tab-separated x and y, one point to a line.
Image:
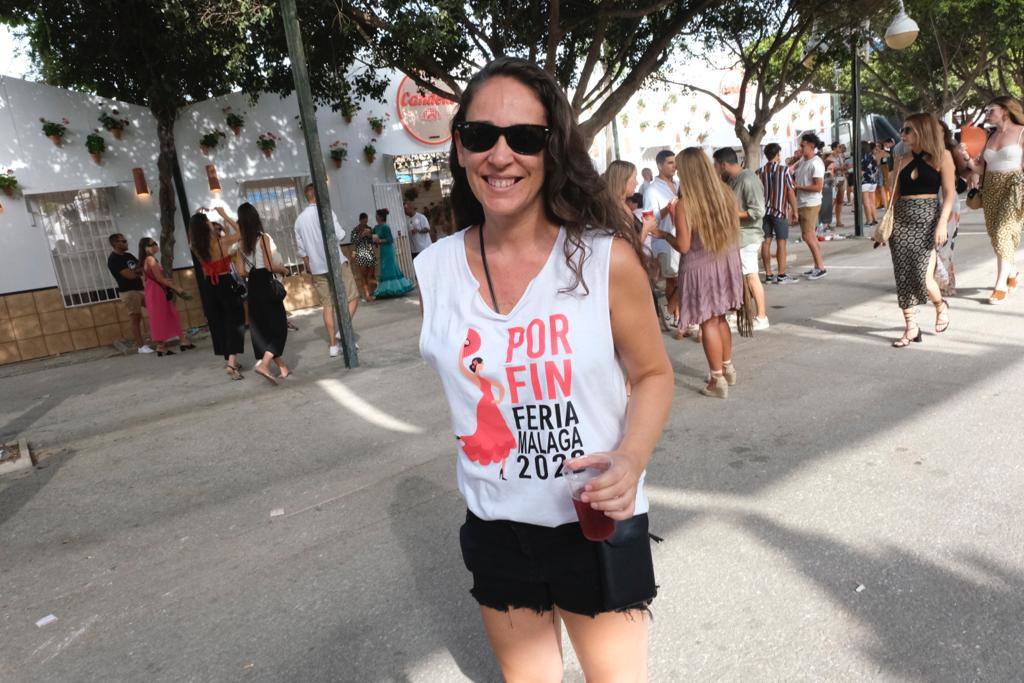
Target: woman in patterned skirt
365	256
920	221
1002	193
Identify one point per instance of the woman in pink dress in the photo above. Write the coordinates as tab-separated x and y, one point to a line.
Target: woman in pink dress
493	440
164	323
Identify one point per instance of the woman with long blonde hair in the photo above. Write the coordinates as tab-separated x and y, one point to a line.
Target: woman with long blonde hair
1002	193
710	279
920	220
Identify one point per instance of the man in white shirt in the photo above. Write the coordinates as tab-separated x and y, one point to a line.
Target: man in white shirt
310	242
658	197
809	179
419	230
648	179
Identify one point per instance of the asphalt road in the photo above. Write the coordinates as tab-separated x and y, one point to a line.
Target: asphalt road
852	512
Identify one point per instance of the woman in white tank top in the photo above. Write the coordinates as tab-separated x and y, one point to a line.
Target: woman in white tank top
534	316
1002	195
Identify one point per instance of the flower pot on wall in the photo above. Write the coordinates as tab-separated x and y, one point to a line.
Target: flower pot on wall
337	163
236	130
9	191
205	150
268	153
117	133
97	157
370	158
56	139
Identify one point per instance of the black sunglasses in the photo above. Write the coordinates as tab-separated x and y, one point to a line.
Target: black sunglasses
907	130
523	138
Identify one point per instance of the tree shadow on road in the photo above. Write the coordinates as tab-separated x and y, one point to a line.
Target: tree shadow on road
929	622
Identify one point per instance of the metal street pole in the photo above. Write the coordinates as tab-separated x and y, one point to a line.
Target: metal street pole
307	115
858	209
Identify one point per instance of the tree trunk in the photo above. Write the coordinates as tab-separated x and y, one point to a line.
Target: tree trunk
165	167
751	141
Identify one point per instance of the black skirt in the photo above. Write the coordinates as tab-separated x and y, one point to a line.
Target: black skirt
226	318
268	322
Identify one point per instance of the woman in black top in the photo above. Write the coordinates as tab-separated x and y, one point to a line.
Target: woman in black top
920	220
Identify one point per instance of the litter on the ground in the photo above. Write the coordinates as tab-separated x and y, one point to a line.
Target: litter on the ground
277	512
860	588
48	619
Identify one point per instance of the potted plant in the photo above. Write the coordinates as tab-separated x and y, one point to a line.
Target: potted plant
701	137
707	116
96	146
268	143
348	110
660	125
640	104
338	152
411	194
370	152
235	121
114	124
8	183
625	119
377	123
55	131
210	140
644	125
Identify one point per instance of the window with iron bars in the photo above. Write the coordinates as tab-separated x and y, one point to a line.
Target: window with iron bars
78	224
279	202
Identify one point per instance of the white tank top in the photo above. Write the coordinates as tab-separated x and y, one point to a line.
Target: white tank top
551	362
1006	159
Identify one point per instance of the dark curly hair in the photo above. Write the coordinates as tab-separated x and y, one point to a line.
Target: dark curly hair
574	193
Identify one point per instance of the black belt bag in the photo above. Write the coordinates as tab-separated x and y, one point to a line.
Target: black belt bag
627	569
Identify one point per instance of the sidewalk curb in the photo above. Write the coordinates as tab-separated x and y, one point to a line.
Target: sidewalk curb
21	465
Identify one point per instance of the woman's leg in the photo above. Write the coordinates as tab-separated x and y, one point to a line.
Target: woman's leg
611	646
931	284
281	367
711	340
527	645
868	199
1004	269
726	334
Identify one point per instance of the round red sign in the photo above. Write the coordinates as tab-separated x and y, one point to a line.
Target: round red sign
425	115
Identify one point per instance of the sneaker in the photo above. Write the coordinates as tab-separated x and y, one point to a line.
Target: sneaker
817	274
334	351
770	279
761	324
785	279
145	349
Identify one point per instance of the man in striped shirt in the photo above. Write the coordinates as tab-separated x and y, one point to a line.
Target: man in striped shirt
778	193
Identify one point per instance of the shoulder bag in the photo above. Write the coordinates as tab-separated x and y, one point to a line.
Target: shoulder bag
276	286
884	230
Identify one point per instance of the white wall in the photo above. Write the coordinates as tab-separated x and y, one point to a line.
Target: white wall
40	166
25	262
238	159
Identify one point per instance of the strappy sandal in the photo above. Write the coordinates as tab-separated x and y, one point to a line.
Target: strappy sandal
904	341
942	317
233	371
1012	282
998	296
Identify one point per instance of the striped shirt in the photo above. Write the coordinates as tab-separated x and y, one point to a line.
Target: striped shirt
777	183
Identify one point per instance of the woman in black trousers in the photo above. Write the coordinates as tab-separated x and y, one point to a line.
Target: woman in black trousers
268	322
224	312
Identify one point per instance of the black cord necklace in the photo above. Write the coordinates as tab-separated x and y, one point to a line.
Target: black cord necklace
487	271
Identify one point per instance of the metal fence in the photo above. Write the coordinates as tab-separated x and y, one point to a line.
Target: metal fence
389	196
279	201
78	224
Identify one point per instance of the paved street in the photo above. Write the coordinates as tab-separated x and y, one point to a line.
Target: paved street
852	512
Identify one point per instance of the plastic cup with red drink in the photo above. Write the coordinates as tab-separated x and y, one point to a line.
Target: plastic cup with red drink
595	524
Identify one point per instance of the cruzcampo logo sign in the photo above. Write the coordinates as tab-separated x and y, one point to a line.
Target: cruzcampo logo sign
425	115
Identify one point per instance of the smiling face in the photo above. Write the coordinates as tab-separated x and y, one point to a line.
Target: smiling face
506	184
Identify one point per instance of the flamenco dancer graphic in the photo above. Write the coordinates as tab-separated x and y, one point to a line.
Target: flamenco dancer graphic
493	440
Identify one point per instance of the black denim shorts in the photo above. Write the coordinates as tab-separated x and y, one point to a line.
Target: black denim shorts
516	565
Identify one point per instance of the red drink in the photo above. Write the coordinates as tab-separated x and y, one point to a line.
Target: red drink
595	524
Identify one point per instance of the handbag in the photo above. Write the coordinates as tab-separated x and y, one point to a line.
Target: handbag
237	284
276	286
884	230
627	568
974	198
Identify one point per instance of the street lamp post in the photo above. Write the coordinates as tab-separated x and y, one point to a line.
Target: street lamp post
901	34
